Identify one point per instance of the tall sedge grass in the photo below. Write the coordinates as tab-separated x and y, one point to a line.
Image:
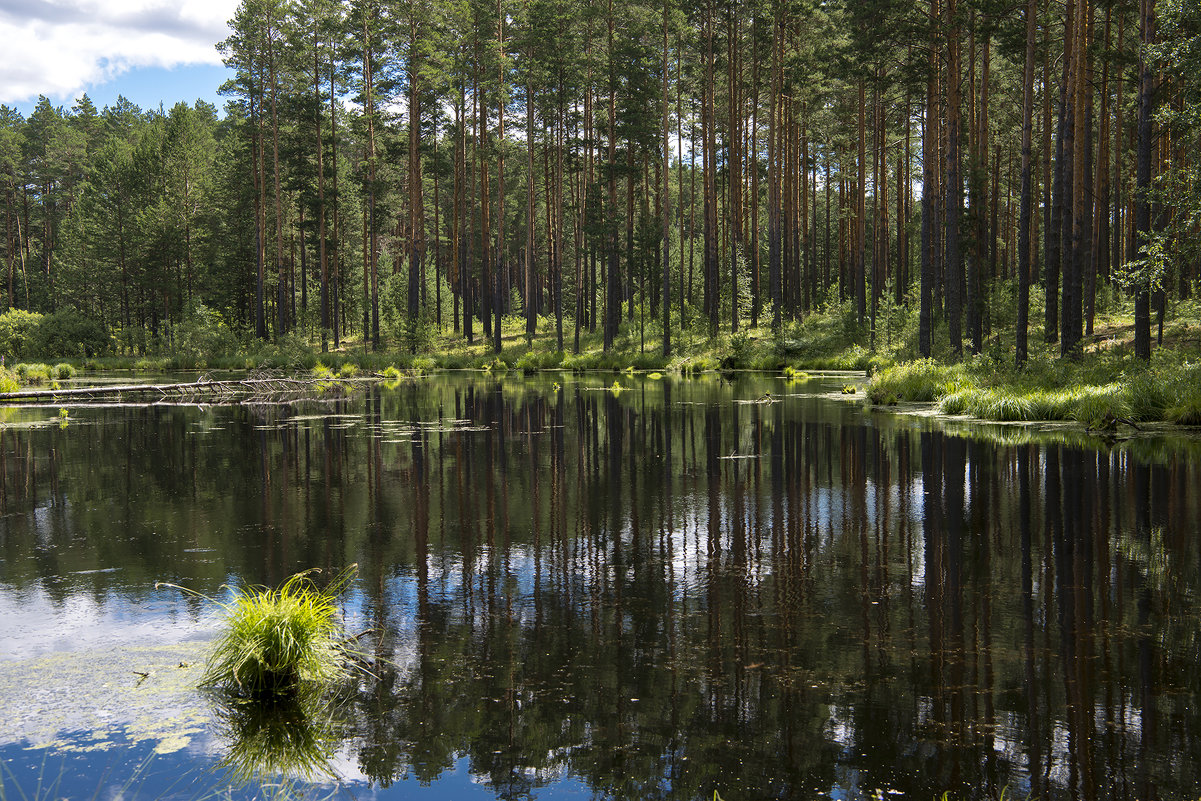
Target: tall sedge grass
1092	392
280	641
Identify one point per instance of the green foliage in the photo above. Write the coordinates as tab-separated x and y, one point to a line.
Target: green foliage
36	373
289	352
281	641
923	380
8	380
64	370
17	327
348	370
533	360
204	335
69	333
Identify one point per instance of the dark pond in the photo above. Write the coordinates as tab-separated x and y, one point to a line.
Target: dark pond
572	592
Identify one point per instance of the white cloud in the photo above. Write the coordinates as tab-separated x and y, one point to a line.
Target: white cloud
60	47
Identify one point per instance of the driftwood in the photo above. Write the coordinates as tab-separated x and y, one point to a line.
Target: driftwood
206	390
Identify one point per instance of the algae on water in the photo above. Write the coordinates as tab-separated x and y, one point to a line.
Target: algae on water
90	700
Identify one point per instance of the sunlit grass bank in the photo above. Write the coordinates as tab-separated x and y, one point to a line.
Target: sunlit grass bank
1097	389
1105	383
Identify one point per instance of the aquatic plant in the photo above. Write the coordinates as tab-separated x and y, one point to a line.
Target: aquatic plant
279	641
33	373
793	374
64	370
1187	412
1096	404
348	370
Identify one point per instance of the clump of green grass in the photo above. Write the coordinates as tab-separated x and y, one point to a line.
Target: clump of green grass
8	380
151	365
1003	405
348	370
1096	404
697	365
793	374
919	381
959	402
1185	414
280	641
392	373
64	370
35	373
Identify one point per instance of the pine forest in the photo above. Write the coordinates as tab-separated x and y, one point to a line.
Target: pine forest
998	173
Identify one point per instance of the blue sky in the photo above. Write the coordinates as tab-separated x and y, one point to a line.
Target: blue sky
151	51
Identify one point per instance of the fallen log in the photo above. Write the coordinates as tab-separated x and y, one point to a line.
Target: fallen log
222	390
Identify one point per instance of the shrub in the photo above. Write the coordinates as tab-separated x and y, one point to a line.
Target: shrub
33	373
290	351
64	370
532	360
8	380
17	327
203	334
68	333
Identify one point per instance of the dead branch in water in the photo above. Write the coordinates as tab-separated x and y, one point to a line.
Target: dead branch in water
206	390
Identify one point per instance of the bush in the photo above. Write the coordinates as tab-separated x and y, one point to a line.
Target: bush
68	333
8	380
17	327
33	373
532	360
290	351
203	335
64	370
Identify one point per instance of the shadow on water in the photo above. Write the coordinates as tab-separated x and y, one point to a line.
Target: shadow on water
656	593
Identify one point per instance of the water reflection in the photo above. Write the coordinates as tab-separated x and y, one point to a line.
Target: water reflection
664	592
294	736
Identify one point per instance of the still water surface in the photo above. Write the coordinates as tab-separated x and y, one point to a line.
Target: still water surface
575	593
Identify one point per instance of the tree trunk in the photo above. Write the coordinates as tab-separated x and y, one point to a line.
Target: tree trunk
1143	178
1024	249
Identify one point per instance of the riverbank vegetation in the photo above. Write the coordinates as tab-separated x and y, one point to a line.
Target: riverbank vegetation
391	176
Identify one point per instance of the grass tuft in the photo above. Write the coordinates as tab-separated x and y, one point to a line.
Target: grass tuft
280	641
